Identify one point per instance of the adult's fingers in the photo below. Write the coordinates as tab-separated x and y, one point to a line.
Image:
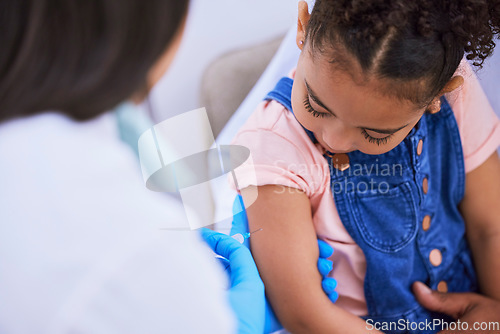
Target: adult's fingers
324	266
452	304
225	264
240	219
325	250
333	296
329	285
241	262
220	243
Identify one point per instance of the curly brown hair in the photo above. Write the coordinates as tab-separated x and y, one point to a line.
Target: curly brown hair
415	45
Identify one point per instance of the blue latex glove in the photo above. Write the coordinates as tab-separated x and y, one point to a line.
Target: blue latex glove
246	294
240	225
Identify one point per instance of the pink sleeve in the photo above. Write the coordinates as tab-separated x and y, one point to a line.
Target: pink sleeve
280	153
275	160
478	124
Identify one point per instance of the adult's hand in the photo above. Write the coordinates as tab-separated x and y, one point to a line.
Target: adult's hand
474	313
246	294
325	266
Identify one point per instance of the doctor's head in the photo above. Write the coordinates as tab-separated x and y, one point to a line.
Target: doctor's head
370	69
83	57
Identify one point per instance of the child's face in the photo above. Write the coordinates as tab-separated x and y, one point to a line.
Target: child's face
347	113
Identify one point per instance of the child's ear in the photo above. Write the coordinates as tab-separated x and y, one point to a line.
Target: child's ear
302	23
453	84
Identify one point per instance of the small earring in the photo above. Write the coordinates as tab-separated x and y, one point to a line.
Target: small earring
301	42
435	107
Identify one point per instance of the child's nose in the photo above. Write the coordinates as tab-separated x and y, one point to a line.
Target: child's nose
338	137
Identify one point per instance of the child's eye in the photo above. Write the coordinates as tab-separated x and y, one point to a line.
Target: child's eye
310	109
378	141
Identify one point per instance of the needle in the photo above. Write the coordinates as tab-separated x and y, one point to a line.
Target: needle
242	237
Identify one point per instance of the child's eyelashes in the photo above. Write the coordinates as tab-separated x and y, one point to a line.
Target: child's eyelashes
311	110
378	141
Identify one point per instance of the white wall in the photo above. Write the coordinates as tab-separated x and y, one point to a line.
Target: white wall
490	78
215	27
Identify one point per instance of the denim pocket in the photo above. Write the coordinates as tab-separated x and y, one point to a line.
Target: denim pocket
386	221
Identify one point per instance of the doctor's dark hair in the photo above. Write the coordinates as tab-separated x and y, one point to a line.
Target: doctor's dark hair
80	57
414	46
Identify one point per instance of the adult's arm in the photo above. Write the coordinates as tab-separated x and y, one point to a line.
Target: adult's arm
164	283
84	245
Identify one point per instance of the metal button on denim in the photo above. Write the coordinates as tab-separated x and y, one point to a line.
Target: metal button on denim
425	185
426	223
420	147
442	287
340	161
435	257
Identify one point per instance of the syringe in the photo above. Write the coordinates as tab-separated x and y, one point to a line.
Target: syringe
242	237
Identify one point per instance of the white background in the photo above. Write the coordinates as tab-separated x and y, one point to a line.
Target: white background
215	27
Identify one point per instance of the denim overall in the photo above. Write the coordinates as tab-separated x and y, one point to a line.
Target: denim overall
401	208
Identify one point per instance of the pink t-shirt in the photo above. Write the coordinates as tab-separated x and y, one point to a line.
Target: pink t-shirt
283	154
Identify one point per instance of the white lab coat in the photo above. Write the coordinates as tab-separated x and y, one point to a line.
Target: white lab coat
82	248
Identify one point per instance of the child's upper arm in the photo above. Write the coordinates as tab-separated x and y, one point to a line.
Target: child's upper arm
480	205
287	169
480	134
481	211
286	254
